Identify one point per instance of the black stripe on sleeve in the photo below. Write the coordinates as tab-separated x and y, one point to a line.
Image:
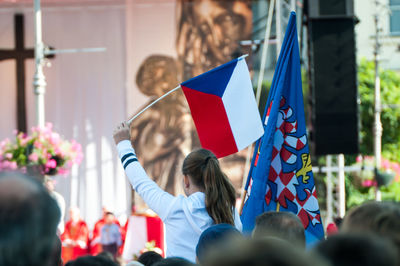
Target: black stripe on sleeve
126	156
130	161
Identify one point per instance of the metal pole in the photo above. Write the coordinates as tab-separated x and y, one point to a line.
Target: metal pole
341	186
293	5
329	194
39	82
377	109
264	50
259	85
129	121
278	24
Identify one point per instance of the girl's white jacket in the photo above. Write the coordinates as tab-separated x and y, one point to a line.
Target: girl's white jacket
185	218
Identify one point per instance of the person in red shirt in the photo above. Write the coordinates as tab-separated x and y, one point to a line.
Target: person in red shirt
75	238
95	246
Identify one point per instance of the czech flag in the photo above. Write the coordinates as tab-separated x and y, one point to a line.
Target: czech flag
224	108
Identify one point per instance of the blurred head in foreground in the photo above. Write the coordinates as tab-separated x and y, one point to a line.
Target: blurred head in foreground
28	221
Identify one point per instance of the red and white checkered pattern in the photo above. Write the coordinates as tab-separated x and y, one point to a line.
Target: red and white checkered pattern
286	182
308	209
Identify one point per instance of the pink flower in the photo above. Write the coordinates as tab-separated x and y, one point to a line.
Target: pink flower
359	159
38	144
385	164
368	183
5	142
59	152
24	139
75	144
54	138
46	145
51	163
13	165
15	131
78	158
70	164
63	171
34	129
33	157
6	164
47	129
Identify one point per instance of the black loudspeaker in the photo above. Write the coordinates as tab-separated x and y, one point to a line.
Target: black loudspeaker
329	8
333	80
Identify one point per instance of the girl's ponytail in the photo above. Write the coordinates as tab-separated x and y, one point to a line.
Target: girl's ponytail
203	168
220	193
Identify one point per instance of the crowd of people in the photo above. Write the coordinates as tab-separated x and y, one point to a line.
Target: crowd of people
368	235
201	228
77	240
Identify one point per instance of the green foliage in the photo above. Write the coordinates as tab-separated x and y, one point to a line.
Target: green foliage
265	86
390	117
356	195
391	192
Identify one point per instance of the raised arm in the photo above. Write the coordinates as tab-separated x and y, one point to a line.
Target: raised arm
156	198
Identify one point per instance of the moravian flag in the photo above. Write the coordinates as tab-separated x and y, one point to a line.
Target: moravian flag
281	177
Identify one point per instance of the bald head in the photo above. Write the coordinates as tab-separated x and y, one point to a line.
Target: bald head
28	221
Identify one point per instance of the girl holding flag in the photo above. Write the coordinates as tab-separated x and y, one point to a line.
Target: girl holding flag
210	197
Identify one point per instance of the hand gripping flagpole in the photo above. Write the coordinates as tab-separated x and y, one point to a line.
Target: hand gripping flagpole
162	97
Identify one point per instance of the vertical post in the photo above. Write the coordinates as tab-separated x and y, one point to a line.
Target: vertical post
265	50
329	194
377	98
341	186
39	82
259	84
293	5
278	26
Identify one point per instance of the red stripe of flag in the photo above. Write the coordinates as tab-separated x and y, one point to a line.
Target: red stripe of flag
211	122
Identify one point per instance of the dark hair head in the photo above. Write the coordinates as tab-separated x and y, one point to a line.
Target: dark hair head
361	218
267	251
173	261
92	261
106	254
109	213
381	218
28	221
202	167
56	259
149	257
356	249
284	225
213	237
